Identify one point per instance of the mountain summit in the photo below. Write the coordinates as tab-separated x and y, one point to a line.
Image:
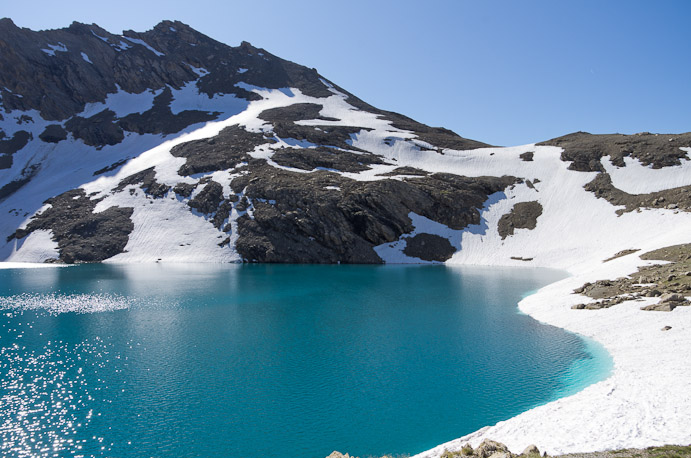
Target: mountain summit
168	145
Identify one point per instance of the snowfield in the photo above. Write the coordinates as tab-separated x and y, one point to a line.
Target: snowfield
646	400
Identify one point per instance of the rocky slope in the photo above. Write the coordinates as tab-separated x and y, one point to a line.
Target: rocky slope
670	281
168	145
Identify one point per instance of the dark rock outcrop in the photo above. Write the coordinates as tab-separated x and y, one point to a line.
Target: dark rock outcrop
208	199
585	150
161	120
147	180
224	151
412	171
297	218
81	234
295	112
523	215
675	198
53	133
668	281
429	247
527	156
99	130
184	189
334	136
11	145
26	175
325	158
111	167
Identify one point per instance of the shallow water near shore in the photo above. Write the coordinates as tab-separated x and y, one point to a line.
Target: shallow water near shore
261	360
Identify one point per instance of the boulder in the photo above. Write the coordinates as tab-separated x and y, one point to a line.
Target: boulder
672	297
531	450
336	454
661	307
500	454
488	448
594	306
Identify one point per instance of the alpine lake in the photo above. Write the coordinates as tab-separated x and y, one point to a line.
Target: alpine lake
293	361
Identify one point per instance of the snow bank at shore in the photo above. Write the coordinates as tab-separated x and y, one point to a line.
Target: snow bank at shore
647	399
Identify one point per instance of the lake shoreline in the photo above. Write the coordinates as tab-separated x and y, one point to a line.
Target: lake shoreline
644	402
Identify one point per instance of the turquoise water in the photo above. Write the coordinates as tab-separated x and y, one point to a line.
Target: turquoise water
272	360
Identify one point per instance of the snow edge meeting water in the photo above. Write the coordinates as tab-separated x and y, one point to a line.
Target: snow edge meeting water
645	400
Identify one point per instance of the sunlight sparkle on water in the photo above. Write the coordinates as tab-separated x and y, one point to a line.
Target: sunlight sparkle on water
63	303
46	398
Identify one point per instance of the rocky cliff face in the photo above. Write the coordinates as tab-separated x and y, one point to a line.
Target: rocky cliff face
168	145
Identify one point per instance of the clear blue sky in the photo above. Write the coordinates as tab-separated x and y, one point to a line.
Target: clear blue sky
505	72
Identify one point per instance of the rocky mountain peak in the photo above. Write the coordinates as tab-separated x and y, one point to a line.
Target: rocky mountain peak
6	23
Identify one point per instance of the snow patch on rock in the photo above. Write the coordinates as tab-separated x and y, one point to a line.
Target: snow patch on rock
145	44
52	49
122	103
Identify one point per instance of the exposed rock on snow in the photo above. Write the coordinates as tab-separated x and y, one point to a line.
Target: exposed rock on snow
523	215
585	151
11	145
326	159
227	150
53	133
527	156
429	247
81	234
667	281
678	198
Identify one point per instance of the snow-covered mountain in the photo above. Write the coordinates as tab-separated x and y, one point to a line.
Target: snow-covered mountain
169	146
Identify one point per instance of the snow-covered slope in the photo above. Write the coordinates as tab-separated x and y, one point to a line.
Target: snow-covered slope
196	151
243	156
574	224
